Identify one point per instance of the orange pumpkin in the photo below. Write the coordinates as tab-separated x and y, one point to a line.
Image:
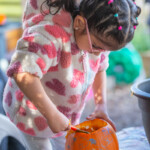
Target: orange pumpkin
101	137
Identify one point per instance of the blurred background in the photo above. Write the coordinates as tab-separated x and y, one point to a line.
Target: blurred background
133	66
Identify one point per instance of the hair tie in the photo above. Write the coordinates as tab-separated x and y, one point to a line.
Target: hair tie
110	1
134	26
120	28
116	15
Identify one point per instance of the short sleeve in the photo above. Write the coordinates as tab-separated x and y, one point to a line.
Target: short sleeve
36	51
104	58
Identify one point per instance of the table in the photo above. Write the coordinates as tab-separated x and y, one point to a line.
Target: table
133	138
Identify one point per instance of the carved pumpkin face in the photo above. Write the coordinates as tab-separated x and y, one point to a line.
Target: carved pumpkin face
101	137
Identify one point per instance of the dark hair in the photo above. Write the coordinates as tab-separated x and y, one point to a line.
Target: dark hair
68	5
100	16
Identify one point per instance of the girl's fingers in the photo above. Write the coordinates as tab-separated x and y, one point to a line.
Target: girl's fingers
90	117
105	117
111	123
69	126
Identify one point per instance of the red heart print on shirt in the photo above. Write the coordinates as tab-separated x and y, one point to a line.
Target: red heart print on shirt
22	111
35	47
56	86
65	110
19	95
65	59
58	32
40	123
29	38
14	68
62	19
78	76
30	105
74	99
38	18
53	69
10	83
74	49
94	64
34	4
27	17
51	50
22	127
8	99
41	64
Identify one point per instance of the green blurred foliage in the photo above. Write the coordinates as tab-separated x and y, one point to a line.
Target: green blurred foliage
11	8
141	40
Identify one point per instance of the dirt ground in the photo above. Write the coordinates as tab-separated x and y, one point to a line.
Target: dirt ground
122	108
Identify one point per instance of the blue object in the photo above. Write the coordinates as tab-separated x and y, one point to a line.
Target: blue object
116	15
9	25
2	45
3	80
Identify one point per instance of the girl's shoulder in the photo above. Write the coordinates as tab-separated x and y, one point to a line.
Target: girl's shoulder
62	18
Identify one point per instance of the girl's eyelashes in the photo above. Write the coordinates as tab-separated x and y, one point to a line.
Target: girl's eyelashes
96	47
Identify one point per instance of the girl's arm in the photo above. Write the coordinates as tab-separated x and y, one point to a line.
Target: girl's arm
99	88
31	86
99	91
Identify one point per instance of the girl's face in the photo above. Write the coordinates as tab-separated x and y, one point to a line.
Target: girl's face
90	42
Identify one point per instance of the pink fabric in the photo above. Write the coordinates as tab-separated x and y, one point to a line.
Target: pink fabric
48	50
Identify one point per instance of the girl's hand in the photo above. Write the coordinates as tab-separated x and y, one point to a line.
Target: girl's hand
101	112
59	122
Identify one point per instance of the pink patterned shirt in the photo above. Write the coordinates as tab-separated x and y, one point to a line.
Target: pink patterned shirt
48	50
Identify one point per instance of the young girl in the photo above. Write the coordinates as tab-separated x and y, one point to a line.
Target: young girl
62	54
